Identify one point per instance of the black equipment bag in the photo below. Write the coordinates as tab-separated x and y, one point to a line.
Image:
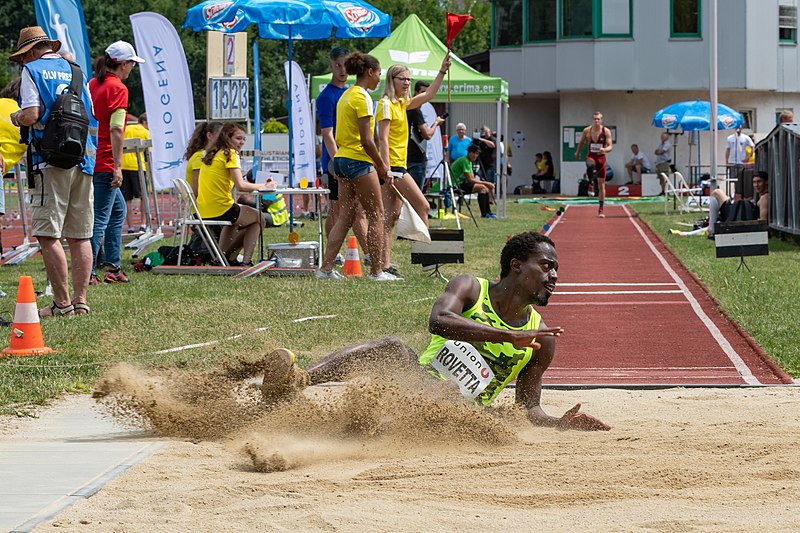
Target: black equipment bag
63	144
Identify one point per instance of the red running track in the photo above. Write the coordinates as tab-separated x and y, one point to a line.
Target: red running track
633	315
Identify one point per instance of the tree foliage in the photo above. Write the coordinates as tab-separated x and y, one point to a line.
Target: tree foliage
108	22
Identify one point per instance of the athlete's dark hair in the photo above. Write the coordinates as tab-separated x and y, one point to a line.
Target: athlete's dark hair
103	64
357	63
198	139
521	247
473	148
763	175
223	143
421	85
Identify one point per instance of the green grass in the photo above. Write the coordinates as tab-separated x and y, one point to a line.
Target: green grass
129	323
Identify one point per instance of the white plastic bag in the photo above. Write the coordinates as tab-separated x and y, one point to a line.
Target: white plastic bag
410	225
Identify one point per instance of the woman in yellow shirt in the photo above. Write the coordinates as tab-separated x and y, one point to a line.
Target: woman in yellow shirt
219	173
358	166
393	145
203	138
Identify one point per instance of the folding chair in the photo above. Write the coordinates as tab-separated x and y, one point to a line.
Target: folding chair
683	194
190	216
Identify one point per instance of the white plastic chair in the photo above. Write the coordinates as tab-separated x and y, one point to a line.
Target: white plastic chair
685	195
190	216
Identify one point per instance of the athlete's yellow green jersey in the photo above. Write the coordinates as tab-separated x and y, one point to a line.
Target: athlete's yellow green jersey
354	104
395	112
503	358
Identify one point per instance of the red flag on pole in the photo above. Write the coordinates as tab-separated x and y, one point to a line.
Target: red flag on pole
456	23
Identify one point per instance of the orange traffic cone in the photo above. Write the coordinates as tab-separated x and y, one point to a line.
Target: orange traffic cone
26	333
352	264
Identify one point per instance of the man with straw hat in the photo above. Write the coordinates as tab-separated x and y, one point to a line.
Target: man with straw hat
61	198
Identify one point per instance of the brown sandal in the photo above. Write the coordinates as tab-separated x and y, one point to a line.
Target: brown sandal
82	307
55	310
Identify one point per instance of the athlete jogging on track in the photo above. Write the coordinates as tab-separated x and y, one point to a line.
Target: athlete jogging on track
599	139
495	321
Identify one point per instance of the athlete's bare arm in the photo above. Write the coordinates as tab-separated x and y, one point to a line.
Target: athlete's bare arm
461	294
584	139
609	144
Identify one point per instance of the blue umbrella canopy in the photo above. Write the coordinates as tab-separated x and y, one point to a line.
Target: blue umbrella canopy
205	16
696	115
291	19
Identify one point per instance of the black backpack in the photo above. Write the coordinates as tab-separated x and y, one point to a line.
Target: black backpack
63	144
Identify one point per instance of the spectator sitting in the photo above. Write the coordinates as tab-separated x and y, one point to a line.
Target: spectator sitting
638	164
219	173
545	174
722	208
464	177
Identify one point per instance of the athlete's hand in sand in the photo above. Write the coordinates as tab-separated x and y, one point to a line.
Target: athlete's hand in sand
572	419
526	339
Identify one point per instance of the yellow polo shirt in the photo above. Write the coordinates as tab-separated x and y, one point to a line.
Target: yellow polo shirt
214	189
355	103
398	129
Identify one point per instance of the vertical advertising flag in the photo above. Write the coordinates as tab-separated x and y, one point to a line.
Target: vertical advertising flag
63	20
302	141
168	97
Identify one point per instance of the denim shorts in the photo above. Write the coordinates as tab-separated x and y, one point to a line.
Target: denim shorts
351	169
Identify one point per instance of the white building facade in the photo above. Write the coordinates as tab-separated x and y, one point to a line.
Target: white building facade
565	59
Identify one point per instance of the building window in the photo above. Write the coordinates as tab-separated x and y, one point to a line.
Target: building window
787	24
684	18
507	22
748	120
616	16
577	18
542	20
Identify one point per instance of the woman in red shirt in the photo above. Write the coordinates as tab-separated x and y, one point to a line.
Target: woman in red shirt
110	101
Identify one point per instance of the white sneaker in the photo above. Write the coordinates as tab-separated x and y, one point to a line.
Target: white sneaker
384	276
331	274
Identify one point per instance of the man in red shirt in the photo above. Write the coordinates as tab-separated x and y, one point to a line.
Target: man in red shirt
110	97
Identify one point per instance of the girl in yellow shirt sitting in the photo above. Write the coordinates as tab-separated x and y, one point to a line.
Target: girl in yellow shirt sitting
203	138
219	173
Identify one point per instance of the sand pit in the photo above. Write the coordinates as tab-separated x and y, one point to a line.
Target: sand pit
375	457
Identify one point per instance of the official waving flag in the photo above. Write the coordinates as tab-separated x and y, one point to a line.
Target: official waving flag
63	20
456	23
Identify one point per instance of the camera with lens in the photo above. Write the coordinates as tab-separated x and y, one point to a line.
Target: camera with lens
444	115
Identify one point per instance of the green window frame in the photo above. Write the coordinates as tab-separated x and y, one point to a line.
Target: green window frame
541	19
592	28
787	24
508	36
680	19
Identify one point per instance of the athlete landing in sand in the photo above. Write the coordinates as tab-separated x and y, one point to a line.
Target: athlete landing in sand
494	323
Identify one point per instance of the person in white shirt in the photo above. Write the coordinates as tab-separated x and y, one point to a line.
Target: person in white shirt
637	164
736	153
663	160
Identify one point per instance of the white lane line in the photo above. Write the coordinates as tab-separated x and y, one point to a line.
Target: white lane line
626	303
558	219
723	343
560	284
202	344
320	317
676	291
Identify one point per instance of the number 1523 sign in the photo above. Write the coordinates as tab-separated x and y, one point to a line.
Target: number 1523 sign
228	98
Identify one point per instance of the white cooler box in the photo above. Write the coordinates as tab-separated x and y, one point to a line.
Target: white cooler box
301	255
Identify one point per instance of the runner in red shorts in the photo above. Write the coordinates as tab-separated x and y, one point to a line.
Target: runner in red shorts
599	139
